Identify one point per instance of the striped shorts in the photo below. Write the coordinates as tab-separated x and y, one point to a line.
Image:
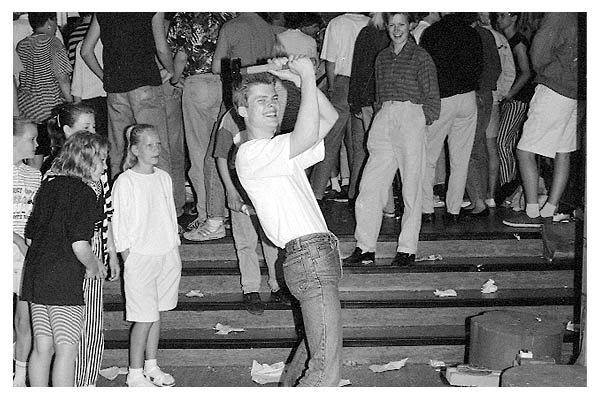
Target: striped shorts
63	323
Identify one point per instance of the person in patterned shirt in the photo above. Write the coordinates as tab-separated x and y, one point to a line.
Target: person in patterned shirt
193	37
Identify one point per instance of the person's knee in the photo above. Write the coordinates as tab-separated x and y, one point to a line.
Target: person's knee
43	346
525	156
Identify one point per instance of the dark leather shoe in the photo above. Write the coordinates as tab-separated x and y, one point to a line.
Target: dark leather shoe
427	218
481	214
403	259
358	258
254	304
280	297
452	218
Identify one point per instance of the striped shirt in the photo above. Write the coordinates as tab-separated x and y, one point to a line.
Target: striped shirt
44	58
76	36
408	76
26	182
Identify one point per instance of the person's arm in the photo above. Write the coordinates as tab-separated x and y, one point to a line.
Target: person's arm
541	45
94	268
520	53
20	242
234	200
160	41
178	66
87	48
113	259
220	51
428	84
64	82
330	71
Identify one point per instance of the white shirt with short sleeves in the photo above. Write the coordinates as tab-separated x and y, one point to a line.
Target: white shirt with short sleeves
279	189
340	36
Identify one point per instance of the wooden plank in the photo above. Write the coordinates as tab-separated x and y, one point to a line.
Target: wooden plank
350	317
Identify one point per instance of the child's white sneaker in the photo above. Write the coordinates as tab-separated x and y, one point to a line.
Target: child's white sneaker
138	381
159	378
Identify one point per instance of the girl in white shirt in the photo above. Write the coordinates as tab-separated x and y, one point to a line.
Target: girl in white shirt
145	233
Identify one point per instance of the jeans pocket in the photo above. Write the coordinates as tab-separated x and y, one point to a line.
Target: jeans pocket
296	275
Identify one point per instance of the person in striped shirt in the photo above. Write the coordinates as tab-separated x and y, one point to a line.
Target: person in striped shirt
45	81
408	99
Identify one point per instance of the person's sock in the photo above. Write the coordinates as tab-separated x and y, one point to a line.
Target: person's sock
345	181
149	365
20	371
548	210
215	222
532	210
134	372
335	185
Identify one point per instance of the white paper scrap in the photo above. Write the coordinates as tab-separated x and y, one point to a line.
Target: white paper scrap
571	326
344	382
194	293
265	373
110	373
225	329
517	236
489	286
436	364
389	366
445	293
432	257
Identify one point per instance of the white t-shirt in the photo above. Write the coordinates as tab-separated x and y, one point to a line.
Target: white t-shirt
340	36
279	189
144	218
85	83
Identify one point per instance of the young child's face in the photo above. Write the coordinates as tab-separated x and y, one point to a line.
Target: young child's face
84	122
24	145
100	167
148	148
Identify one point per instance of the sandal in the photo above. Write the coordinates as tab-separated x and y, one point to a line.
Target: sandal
159	378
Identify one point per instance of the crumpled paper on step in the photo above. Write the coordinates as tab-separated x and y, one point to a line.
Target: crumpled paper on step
389	366
445	293
194	293
436	364
489	286
344	382
433	257
111	373
225	329
265	373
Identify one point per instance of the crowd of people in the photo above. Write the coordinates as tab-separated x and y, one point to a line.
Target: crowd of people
116	116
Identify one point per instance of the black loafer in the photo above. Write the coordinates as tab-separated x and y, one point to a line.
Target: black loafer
280	297
254	304
403	259
358	258
427	218
452	218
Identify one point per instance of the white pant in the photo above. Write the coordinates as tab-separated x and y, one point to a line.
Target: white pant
396	142
458	120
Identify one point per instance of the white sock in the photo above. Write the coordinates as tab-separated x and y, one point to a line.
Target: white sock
532	210
215	222
20	370
135	372
149	365
345	181
547	210
335	185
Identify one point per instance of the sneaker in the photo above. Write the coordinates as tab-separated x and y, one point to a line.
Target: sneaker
358	258
403	259
254	304
205	232
195	224
280	297
522	220
159	378
139	381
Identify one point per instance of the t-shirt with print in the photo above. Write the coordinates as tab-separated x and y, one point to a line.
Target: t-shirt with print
66	211
26	182
279	189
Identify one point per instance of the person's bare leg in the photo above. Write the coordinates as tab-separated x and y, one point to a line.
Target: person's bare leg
493	166
23	340
560	177
39	361
137	345
63	370
529	178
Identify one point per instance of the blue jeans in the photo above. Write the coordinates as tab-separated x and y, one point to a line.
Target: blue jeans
312	270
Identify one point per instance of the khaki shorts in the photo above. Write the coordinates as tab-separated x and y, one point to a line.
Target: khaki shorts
151	285
551	124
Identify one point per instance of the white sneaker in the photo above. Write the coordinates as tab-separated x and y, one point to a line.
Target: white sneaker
159	378
206	231
139	381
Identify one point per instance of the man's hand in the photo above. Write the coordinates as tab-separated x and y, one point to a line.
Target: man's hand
234	200
299	68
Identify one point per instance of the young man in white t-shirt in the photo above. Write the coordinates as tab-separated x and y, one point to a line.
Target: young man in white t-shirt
271	170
